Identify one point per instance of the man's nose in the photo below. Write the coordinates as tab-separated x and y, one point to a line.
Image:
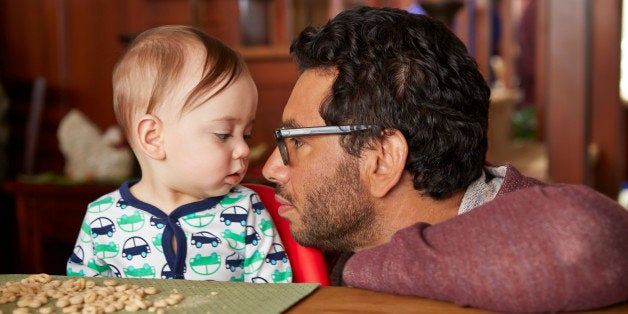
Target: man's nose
274	170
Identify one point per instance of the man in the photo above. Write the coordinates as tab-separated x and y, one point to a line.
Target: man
382	153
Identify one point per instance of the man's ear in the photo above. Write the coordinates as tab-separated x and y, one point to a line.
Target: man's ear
385	162
149	136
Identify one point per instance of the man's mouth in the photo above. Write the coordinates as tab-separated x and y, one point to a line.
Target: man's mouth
285	205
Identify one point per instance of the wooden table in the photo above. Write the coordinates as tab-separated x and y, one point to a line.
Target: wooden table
215	296
352	300
48	220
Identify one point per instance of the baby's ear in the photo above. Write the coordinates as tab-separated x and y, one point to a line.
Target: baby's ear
148	132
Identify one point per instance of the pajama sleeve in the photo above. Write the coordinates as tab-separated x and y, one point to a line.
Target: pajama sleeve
84	260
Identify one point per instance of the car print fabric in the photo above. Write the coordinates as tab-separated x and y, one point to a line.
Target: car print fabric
228	238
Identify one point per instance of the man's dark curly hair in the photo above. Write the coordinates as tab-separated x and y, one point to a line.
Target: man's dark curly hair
406	72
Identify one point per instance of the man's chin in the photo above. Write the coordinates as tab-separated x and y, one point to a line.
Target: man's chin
299	234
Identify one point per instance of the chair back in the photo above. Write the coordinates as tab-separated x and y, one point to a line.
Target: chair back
308	264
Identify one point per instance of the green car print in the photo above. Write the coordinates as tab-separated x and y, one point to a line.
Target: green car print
237	279
86	235
200	219
100	205
236	240
106	250
253	263
72	273
131	223
205	265
98	268
157	242
146	271
228	201
266	226
282	276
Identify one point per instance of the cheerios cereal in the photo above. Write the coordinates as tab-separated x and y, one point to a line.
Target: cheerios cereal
40	294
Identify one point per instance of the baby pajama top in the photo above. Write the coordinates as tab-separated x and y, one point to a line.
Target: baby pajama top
225	238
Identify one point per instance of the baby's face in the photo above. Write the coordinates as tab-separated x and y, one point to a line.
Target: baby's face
206	148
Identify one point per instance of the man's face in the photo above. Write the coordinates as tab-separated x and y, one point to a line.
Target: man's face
320	189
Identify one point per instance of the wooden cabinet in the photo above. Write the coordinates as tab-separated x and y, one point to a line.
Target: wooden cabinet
48	220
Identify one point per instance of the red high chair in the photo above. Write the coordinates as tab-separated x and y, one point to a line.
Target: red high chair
308	264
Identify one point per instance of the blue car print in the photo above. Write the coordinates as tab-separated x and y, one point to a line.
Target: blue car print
77	255
156	222
166	273
102	226
257	204
135	246
234	214
276	253
121	203
234	261
252	237
204	237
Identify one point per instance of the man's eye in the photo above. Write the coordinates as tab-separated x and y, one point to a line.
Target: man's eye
295	142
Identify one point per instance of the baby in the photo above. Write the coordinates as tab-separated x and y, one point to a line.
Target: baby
186	103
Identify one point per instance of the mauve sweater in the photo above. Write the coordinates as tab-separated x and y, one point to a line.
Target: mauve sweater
534	248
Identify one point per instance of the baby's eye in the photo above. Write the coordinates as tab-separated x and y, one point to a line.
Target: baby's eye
247	136
222	136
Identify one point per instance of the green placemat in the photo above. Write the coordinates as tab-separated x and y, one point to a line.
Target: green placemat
207	296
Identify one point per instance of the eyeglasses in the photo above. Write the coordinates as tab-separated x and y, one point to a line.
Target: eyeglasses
281	134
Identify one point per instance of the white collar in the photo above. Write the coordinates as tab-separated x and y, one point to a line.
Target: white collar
481	191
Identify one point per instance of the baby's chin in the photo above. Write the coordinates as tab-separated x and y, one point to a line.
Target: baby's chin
216	192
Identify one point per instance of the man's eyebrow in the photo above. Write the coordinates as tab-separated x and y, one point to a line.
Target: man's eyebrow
290	124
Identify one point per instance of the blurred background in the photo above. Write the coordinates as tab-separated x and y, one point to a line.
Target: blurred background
554	67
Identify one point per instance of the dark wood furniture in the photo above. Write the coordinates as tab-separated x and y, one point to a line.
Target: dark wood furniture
49	217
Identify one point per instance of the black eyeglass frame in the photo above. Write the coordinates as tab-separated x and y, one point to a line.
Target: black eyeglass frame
282	134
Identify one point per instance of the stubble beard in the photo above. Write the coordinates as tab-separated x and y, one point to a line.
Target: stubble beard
337	214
